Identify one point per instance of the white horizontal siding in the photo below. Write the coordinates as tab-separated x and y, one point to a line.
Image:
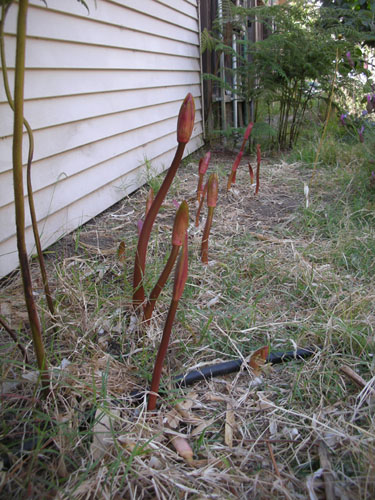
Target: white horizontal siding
46	83
102	95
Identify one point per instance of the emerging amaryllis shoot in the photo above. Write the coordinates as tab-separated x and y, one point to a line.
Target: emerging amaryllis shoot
185	122
204	192
212	194
121	252
181	222
178	288
232	175
185	126
251	172
258	169
203	166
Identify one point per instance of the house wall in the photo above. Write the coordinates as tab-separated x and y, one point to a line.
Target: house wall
103	90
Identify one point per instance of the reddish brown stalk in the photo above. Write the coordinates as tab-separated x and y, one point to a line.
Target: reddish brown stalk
251	172
150	304
258	169
204	192
179	285
206	234
185	126
149	201
203	166
232	175
212	194
178	234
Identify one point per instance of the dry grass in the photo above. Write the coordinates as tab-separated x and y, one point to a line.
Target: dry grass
279	275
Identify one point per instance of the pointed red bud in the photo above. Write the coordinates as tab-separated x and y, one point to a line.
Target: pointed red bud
251	171
180	225
121	252
203	163
212	190
185	121
181	273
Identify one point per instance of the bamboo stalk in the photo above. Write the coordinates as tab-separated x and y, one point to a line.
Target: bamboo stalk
35	325
8	94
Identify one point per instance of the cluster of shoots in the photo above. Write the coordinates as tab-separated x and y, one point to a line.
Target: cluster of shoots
210	192
232	175
185	126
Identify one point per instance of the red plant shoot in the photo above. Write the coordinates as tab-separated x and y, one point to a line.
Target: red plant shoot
203	166
251	172
258	169
232	175
185	122
185	126
204	192
181	222
121	252
212	195
178	288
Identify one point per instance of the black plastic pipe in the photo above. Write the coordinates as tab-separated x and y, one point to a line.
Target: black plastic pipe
235	365
227	367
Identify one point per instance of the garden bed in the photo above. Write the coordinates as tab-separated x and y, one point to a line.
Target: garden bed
280	275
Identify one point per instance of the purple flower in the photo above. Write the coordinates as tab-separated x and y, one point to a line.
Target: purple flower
350	60
364	112
343	117
360	133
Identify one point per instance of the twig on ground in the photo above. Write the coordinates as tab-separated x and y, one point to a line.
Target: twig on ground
13	334
327	471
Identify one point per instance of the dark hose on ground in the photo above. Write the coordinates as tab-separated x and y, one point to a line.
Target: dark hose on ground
227	367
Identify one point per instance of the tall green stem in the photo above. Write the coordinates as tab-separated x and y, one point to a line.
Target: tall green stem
35	325
29	162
